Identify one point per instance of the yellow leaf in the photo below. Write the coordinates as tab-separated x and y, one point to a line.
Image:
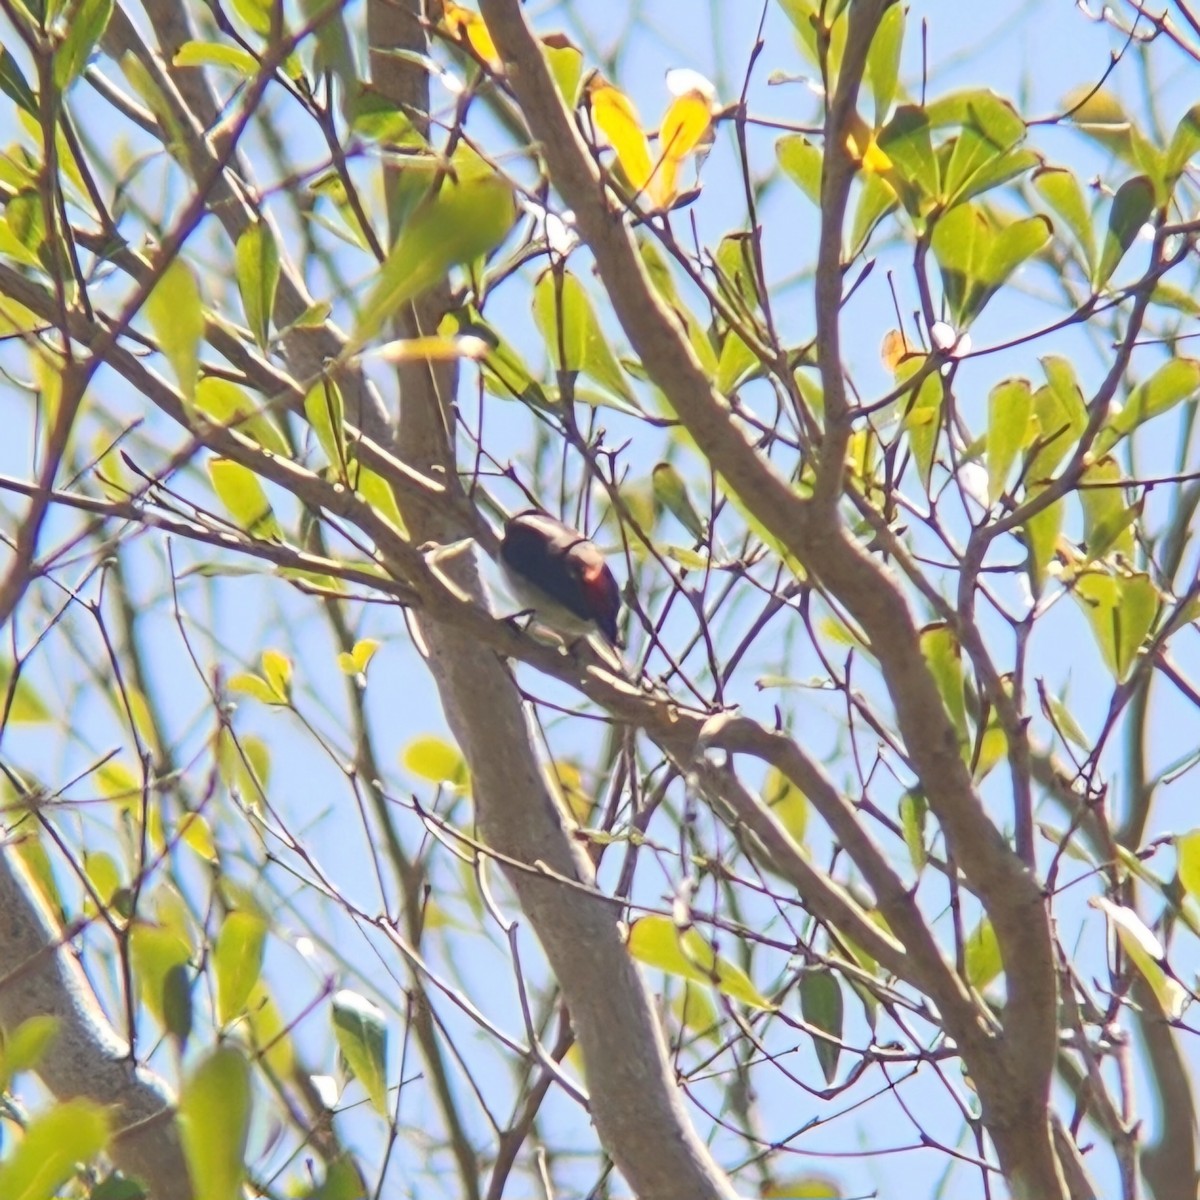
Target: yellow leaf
617	119
460	22
683	129
657	942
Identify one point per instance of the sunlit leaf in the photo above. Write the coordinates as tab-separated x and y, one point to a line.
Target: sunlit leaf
214	1121
574	338
155	951
1120	609
912	824
461	223
356	661
361	1033
216	54
788	803
1175	381
1132	207
240	491
671	491
801	162
237	961
943	655
176	315
435	759
469	26
565	61
1010	406
657	942
226	404
1107	520
616	118
89	19
25	1046
20	702
325	411
803	1187
1060	189
883	60
54	1142
257	265
981	955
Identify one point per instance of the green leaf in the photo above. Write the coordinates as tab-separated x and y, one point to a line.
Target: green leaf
325	411
504	371
1064	721
227	404
566	66
875	200
1060	189
738	275
913	808
14	85
361	1036
671	491
255	13
1061	418
981	955
1107	520
1132	207
976	254
943	655
1041	539
237	961
1185	141
240	491
657	942
73	1131
257	264
176	315
801	162
24	706
85	28
24	1048
803	1187
990	127
736	364
1187	854
155	950
214	1121
907	140
923	421
216	54
435	759
821	1004
788	803
377	492
462	222
1120	609
1010	406
1176	380
574	339
883	60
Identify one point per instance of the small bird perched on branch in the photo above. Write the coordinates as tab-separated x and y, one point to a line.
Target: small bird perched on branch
561	576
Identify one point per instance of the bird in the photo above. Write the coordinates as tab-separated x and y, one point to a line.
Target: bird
561	576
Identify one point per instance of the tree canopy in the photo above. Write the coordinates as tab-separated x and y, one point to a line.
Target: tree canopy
329	872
